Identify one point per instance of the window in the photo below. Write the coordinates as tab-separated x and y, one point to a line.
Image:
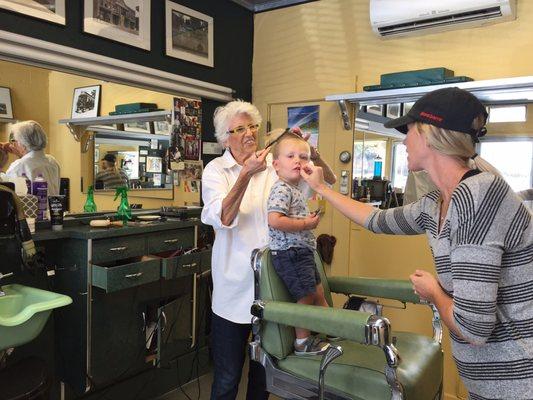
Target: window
513	158
363	166
399	165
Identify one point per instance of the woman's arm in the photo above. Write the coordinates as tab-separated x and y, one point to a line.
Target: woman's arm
355	210
232	202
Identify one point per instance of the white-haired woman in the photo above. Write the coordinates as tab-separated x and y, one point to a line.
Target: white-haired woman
235	189
481	237
30	141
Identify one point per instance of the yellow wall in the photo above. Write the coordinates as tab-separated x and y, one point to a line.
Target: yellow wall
306	52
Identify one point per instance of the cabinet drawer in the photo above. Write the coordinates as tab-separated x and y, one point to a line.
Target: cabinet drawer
125	276
117	248
170	240
176	267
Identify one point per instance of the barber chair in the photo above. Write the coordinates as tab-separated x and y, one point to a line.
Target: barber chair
370	362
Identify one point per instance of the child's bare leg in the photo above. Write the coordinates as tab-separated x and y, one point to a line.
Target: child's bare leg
302	333
319	298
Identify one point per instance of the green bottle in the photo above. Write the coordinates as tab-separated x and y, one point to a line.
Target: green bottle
123	210
90	205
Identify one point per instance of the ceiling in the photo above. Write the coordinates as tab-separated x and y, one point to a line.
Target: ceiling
266	5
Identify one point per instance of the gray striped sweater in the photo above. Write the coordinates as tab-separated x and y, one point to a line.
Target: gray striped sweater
484	260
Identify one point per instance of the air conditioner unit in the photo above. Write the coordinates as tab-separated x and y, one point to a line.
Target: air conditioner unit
394	18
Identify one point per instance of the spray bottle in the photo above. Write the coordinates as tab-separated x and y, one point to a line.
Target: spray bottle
90	205
123	210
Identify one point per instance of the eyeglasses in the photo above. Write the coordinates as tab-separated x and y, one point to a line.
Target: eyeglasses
242	129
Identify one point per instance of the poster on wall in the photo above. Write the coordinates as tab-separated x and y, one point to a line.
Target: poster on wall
50	10
189	34
185	139
126	21
305	117
6	108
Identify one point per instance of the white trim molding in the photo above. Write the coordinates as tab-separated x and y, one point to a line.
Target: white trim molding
40	53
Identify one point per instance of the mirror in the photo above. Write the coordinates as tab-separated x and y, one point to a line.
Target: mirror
46	96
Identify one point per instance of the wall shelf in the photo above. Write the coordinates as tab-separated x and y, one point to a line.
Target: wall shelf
8	120
113	133
79	126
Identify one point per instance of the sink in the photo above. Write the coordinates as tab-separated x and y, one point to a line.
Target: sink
24	311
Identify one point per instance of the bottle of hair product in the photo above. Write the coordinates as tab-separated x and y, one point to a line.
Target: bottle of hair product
40	189
378	166
90	205
28	182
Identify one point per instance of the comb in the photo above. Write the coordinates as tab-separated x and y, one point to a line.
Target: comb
275	135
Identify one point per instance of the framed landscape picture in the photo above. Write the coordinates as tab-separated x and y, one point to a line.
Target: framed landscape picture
6	108
86	102
137	126
50	10
189	34
126	21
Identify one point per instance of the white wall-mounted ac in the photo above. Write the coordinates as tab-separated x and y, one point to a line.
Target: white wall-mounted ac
394	18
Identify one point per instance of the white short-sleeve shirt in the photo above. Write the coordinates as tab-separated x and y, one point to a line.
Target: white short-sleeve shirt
233	279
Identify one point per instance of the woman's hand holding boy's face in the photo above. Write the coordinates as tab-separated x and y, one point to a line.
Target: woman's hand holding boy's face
314	176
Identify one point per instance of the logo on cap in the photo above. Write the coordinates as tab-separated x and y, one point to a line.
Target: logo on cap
431	116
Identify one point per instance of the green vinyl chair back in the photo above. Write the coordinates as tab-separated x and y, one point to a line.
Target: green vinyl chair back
278	340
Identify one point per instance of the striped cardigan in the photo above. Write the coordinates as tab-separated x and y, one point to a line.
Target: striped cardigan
484	260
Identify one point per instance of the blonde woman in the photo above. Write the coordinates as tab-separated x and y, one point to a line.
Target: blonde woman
481	238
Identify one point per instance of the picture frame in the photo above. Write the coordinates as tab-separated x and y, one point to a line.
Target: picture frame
154	164
136	126
189	34
51	10
406	107
393	110
6	106
376	109
162	127
109	19
86	102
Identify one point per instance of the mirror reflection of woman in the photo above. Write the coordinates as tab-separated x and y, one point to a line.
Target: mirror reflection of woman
110	177
29	143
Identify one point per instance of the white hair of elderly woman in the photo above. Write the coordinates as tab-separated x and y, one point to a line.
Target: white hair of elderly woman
224	115
30	134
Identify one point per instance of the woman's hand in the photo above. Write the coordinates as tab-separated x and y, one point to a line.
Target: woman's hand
306	136
425	285
314	176
256	162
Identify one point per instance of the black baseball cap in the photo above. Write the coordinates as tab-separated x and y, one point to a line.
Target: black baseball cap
110	158
449	108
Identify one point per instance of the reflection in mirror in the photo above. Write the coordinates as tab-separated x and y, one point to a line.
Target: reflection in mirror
134	162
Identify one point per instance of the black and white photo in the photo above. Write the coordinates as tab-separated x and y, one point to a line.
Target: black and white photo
189	34
6	108
86	102
50	10
393	110
138	126
126	21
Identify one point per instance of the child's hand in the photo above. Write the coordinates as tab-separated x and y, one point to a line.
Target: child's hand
311	222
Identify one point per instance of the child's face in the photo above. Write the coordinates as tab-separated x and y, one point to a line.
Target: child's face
293	156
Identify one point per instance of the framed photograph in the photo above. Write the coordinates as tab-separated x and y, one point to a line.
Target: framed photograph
6	108
162	128
406	107
50	10
393	110
154	164
86	102
189	34
126	21
136	126
376	109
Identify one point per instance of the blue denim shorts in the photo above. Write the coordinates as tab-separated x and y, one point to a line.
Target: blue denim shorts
297	269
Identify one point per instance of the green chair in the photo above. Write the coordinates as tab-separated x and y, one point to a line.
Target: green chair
371	362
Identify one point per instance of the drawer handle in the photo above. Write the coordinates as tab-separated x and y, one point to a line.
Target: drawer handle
121	248
171	241
191	265
133	275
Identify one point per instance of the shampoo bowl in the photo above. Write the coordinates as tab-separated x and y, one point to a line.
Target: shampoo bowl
24	311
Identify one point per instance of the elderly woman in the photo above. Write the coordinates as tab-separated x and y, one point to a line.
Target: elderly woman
30	142
235	189
481	238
